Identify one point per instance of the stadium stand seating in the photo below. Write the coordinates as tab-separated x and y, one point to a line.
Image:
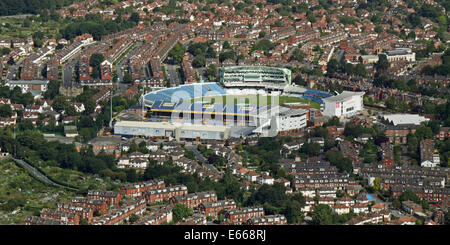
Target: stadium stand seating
185	92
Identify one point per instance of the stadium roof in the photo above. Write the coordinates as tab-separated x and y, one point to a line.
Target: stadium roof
215	128
140	124
202	108
343	96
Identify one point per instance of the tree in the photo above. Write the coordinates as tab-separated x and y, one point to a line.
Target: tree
4	51
226	55
131	175
37	39
382	63
89	106
396	204
199	61
211	72
26	124
53	89
311	148
411	35
424	133
409	195
134	17
180	211
226	45
360	70
298	55
6	111
177	53
293	212
322	215
210	53
378	29
261	34
264	45
332	67
95	60
337	159
133	218
377	184
425	205
127	77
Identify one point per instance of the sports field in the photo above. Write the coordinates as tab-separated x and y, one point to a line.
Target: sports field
254	100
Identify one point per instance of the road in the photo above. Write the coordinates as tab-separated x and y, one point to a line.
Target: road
67	75
12	71
199	156
35	172
395	212
174	76
340	55
19	16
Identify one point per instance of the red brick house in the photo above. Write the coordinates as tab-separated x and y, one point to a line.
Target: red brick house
213	208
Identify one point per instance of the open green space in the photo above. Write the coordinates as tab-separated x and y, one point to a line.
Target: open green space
14	28
21	195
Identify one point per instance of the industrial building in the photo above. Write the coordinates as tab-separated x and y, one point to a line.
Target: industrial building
171	130
343	105
403	119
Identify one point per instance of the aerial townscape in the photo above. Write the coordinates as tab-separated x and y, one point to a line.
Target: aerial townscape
224	112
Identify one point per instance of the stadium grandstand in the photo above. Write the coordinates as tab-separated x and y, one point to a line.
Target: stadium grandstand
184	92
307	94
270	78
211	114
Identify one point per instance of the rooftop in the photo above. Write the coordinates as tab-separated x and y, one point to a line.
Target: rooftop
343	96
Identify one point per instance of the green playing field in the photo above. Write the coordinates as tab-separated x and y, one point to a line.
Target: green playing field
254	100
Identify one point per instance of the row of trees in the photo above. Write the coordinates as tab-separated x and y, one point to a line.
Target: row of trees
333	67
16	95
176	53
443	70
201	51
14	7
96	26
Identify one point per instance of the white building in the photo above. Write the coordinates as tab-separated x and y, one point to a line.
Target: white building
123	162
400	54
401	119
265	179
274	120
343	105
73	50
28	85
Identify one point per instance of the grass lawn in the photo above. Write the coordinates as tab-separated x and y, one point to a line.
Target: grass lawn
16	30
254	100
79	179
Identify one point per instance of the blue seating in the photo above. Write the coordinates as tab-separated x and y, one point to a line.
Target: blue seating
312	98
318	93
189	91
